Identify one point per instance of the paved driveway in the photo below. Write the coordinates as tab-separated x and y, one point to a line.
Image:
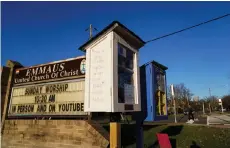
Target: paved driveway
183	119
219	119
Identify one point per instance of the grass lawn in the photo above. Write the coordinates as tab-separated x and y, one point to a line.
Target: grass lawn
181	136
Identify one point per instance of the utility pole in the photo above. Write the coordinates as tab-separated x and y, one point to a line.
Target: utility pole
209	103
187	99
209	92
222	109
91	29
203	108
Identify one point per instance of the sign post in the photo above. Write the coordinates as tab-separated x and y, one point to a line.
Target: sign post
115	135
174	102
112	74
221	104
12	66
203	108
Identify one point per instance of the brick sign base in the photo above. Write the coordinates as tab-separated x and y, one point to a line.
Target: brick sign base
53	134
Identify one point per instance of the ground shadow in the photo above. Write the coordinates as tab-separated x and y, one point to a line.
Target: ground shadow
128	132
148	127
106	127
194	145
171	131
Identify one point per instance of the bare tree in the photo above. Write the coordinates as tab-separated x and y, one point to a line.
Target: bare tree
182	95
213	101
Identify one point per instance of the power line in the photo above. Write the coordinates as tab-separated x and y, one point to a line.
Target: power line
214	19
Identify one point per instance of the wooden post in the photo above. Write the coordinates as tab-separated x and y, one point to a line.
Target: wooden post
5	72
115	135
12	65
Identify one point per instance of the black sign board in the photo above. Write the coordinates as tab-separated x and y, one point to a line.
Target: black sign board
62	70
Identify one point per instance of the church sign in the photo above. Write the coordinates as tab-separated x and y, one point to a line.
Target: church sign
73	68
65	98
54	89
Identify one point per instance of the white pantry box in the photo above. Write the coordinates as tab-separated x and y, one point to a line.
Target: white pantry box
112	82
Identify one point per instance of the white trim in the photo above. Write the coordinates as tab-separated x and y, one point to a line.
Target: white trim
120	107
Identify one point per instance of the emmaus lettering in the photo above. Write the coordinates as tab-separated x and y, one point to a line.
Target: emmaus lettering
45	69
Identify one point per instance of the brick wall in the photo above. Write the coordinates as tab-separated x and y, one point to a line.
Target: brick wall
53	134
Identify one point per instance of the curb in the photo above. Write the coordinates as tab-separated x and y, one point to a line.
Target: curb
215	126
174	124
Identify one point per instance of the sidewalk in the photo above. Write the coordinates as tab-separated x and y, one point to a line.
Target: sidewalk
195	124
218	120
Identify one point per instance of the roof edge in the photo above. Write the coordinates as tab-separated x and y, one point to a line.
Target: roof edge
105	30
156	63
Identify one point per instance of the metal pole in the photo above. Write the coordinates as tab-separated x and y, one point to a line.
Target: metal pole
210	92
221	104
139	134
209	108
222	107
209	103
175	109
90	31
203	108
172	92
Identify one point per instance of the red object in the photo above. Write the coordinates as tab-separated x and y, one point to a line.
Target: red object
163	140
